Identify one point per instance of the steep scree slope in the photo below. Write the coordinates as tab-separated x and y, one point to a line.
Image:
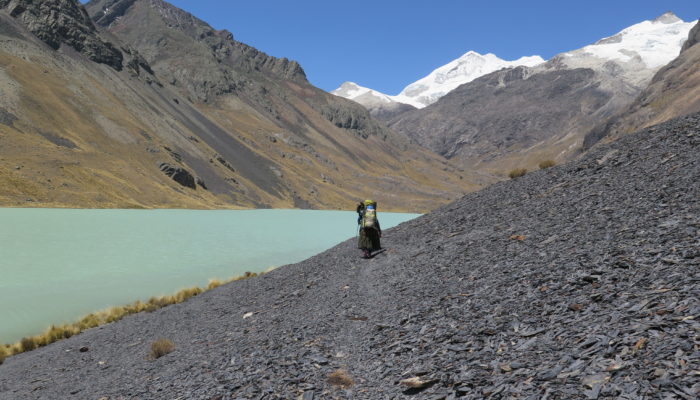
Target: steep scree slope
577	282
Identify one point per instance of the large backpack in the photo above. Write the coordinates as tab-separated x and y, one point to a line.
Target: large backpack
369	219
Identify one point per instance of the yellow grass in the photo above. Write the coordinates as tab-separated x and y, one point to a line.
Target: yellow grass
92	320
340	378
161	347
517	173
547	164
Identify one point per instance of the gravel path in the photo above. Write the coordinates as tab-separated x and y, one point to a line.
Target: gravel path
578	282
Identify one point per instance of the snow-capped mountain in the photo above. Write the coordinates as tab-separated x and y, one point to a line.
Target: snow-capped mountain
379	104
634	54
438	83
463	70
513	118
654	43
362	95
637	52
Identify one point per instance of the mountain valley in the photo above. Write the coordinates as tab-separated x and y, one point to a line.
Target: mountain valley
578	281
177	114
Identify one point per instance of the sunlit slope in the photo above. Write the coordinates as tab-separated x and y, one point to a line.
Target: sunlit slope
75	133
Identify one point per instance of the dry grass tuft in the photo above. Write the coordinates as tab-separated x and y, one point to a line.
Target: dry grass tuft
28	344
340	378
547	164
161	347
213	284
517	173
3	354
56	333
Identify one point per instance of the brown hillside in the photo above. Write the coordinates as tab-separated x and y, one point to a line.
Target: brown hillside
78	133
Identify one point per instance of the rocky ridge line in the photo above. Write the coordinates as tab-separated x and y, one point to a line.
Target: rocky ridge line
222	46
58	22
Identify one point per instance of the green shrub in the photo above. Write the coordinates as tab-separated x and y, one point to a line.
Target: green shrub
547	164
161	347
517	173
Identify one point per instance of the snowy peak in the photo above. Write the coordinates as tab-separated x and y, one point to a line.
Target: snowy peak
667	18
438	83
652	43
634	54
463	70
362	95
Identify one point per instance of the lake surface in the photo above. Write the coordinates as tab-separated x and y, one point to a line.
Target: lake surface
57	265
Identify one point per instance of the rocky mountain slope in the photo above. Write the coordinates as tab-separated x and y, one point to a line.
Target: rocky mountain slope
581	281
674	91
518	118
157	109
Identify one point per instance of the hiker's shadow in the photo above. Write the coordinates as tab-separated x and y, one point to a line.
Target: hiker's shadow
376	253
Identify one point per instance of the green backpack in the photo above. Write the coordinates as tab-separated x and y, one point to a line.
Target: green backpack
369	219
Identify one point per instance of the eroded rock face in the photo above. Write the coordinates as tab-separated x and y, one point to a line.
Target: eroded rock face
6	117
179	175
356	119
209	62
58	22
693	38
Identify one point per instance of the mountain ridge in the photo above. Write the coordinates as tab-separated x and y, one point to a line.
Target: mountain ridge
489	129
430	88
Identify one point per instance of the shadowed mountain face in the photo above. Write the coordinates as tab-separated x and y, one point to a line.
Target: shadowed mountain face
187	117
674	91
509	115
518	117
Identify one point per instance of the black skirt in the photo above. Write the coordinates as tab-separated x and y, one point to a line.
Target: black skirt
369	239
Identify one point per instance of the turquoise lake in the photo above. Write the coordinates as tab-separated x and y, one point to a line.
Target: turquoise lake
58	265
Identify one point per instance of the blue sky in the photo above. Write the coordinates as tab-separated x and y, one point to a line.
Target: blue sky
387	44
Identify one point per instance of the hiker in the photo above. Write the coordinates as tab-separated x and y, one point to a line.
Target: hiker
370	231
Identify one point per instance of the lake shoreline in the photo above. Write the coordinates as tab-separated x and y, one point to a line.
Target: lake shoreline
115	256
107	316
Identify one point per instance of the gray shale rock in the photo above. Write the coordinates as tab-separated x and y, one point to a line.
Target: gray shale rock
453	300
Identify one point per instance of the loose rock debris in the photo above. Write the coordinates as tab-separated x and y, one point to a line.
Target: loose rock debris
600	301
